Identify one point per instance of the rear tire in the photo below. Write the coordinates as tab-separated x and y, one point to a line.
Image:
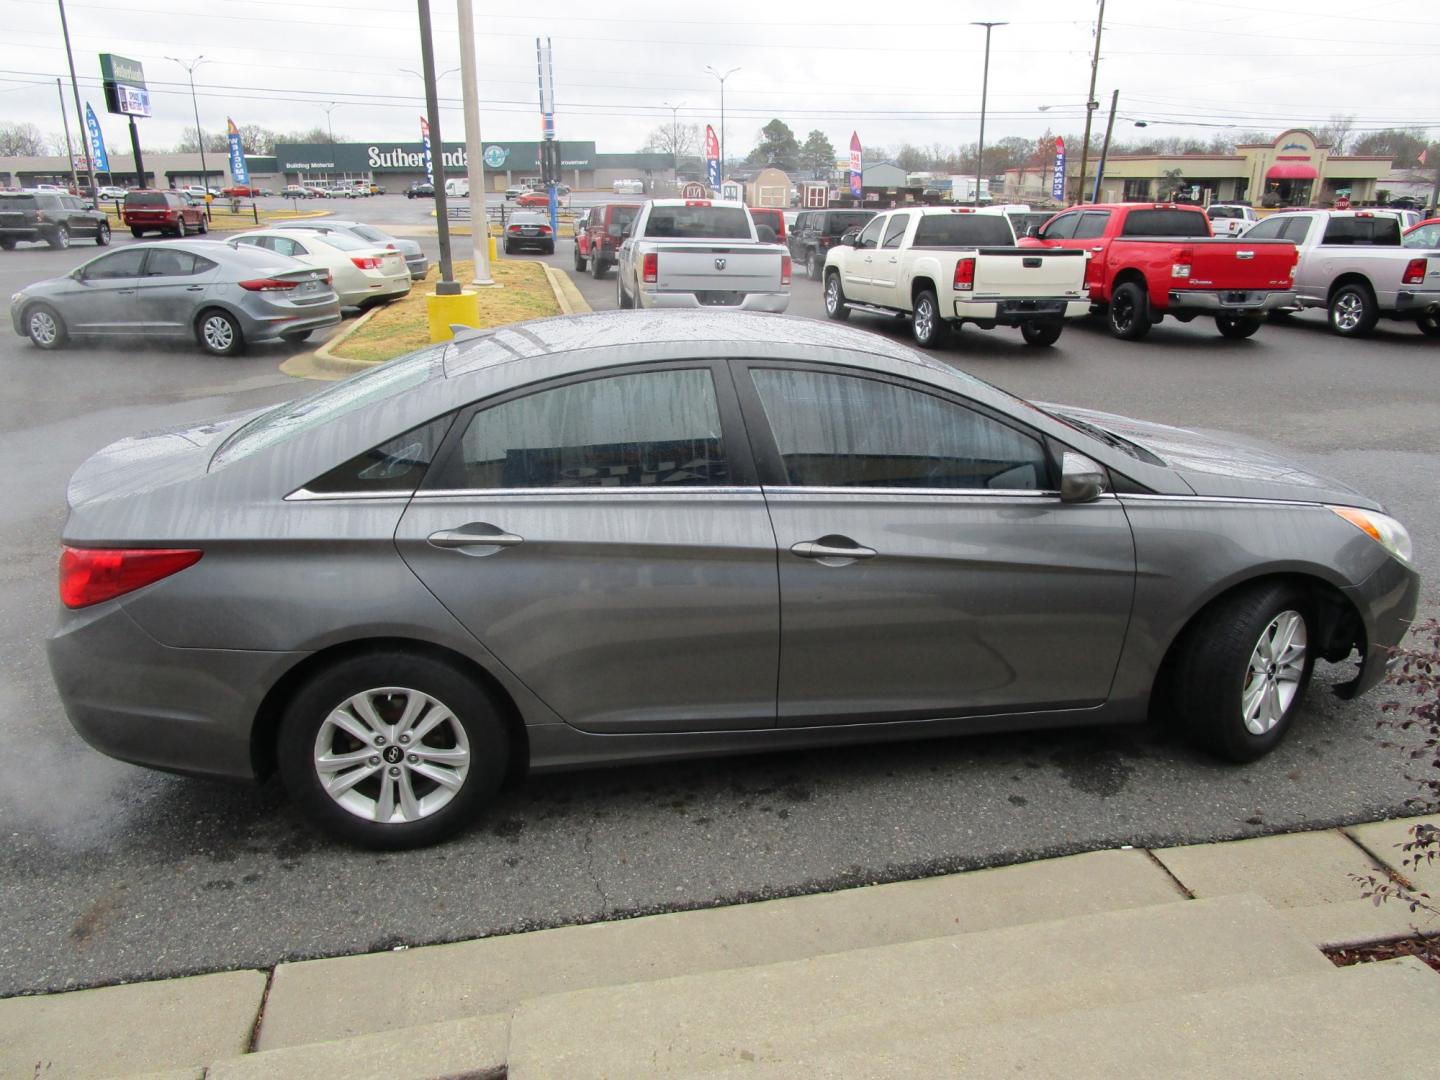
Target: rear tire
814	266
1429	326
44	327
219	333
204	226
7	245
623	299
1129	313
1237	327
835	298
927	326
1243	669
180	229
1042	333
598	266
102	234
580	260
60	238
467	743
1353	312
137	233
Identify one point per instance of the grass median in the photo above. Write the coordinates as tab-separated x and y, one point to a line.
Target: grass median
401	327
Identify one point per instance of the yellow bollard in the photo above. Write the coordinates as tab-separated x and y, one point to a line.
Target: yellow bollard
441	312
493	253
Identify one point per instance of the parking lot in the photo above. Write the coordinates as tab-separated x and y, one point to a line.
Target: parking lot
115	873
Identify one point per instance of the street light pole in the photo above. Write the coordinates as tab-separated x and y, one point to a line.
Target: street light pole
330	120
675	137
984	97
190	67
1105	146
722	79
447	285
474	151
1090	104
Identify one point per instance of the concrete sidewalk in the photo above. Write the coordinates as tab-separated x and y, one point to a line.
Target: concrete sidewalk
1114	963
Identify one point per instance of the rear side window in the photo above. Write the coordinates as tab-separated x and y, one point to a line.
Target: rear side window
649	430
1379	231
170	262
12	203
698	223
393	467
1271	228
1189	223
963	230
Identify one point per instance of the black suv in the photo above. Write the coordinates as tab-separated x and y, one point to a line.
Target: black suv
49	216
420	190
816	232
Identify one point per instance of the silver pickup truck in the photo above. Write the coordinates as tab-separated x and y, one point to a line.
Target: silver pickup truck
695	253
1353	264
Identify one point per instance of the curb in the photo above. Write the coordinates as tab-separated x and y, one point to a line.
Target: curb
322	365
567	295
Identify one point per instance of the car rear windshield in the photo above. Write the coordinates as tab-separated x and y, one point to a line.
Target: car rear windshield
365	232
145	198
1382	230
288	420
1166	223
698	223
17	202
840	224
963	230
1226	212
345	243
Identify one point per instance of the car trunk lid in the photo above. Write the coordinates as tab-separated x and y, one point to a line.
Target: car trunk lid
1234	264
694	268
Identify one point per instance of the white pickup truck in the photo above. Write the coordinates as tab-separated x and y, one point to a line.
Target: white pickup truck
946	266
1231	219
1353	263
693	253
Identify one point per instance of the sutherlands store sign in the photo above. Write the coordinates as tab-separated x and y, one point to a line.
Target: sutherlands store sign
406	157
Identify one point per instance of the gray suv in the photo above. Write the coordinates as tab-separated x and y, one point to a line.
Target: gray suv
51	218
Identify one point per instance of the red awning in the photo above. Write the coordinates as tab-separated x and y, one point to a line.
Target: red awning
1292	172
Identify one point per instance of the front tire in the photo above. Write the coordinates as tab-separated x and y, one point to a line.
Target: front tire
392	750
625	301
929	329
204	226
580	260
1129	313
60	238
102	235
1353	312
835	298
1237	327
44	327
180	229
1243	670
814	266
219	333
1042	333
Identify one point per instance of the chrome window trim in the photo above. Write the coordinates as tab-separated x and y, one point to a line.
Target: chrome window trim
901	492
304	494
1228	500
500	493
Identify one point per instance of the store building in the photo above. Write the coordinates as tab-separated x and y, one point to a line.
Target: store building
161	170
1294	170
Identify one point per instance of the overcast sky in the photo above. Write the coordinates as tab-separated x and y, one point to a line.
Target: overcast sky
1191	68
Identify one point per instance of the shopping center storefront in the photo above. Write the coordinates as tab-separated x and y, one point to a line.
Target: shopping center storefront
1293	170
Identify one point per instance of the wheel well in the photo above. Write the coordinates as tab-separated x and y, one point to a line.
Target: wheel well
266	729
918	286
1350	279
206	310
1339	626
1125	277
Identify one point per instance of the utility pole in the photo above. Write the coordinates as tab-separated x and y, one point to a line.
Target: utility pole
69	150
447	285
190	67
1090	103
474	152
75	87
674	137
1105	146
984	96
722	79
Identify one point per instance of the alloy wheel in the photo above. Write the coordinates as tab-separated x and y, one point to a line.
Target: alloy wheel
832	294
43	328
1122	313
1277	666
924	319
219	334
392	755
1349	309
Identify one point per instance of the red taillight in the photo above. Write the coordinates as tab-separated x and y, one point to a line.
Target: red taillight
271	284
964	275
90	575
785	267
651	268
544	229
514	228
366	262
1414	273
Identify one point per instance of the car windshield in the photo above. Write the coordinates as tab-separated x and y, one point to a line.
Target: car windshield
145	198
17	202
699	223
963	230
290	419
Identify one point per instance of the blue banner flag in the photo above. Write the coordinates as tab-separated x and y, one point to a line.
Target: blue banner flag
97	141
239	172
425	151
712	158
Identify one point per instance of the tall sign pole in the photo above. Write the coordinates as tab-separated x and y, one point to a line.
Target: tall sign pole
447	285
984	98
75	89
474	153
1090	103
1105	146
126	95
549	148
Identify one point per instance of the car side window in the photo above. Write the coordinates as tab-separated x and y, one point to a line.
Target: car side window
1062	228
395	466
647	430
122	264
837	430
1269	229
1297	228
1092	224
283	245
895	231
168	262
870	235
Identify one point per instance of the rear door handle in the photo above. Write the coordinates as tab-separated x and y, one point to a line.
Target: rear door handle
194	288
832	547
477	534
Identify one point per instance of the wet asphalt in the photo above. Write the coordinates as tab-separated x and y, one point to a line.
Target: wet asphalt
114	873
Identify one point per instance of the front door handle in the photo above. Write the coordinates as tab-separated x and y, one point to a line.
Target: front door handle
832	547
1098	247
477	534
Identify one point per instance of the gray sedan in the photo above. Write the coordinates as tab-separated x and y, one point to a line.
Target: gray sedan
415	257
225	297
645	535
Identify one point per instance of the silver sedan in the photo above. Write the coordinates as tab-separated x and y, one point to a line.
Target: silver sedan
645	535
225	297
415	257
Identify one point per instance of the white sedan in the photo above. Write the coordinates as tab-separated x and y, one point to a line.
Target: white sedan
106	193
363	274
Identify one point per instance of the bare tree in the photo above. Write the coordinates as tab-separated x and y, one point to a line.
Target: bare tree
24	140
1337	132
216	142
677	140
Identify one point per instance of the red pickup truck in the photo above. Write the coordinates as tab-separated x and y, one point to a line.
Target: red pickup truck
1149	260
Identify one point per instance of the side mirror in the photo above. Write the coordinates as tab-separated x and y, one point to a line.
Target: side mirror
625	232
847	238
1081	480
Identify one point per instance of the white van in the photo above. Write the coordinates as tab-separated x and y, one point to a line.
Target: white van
459	187
629	187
